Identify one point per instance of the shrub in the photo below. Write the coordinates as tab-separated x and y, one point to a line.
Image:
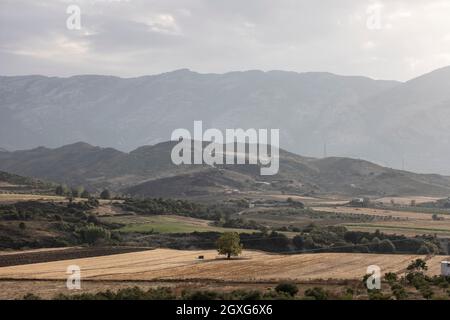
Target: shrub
200	295
31	296
317	293
426	292
399	292
287	287
378	295
391	277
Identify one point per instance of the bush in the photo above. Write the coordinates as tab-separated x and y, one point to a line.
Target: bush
426	292
134	293
391	277
200	295
289	288
316	293
31	296
399	292
378	295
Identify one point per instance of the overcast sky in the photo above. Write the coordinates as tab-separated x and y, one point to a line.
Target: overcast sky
389	39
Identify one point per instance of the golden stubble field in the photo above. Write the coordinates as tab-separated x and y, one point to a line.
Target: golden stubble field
252	266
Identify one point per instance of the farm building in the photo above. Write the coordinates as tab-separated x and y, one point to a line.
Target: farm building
445	268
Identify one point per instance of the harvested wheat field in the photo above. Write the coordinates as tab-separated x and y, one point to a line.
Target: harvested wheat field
166	264
406	200
377	212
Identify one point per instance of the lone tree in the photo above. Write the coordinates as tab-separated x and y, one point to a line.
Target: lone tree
229	244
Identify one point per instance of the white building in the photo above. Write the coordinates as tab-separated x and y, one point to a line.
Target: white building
445	268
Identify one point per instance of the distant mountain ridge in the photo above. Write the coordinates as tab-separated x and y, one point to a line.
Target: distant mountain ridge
148	171
391	123
128	113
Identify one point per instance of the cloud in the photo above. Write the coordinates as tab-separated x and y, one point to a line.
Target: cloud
135	37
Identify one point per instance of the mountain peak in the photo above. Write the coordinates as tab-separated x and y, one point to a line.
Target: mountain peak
78	145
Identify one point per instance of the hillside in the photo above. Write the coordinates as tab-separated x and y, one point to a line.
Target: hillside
15	183
309	108
148	171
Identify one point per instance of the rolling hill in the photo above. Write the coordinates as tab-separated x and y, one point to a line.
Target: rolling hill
400	125
15	183
148	171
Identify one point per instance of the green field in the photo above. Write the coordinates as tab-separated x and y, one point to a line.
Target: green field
168	224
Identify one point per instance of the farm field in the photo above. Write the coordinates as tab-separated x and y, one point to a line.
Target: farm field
16	197
378	212
408	228
310	201
167	224
182	265
404	222
406	200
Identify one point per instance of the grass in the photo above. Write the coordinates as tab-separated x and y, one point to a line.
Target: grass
415	230
172	224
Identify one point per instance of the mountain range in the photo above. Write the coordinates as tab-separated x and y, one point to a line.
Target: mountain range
395	124
148	171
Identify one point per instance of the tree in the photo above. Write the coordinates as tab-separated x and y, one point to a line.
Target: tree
386	246
418	265
423	250
105	195
366	202
91	234
229	244
299	242
85	194
76	192
61	190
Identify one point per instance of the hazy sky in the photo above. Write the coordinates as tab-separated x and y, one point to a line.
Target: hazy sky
389	39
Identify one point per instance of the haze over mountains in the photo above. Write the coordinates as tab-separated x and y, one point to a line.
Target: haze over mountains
149	171
386	122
